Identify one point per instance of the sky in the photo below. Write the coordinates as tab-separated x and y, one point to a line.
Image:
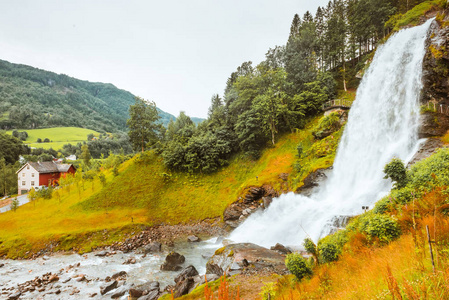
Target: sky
175	53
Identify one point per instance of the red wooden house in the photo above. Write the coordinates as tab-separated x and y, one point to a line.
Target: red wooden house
34	174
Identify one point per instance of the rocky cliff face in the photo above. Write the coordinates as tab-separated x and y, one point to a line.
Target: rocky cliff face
435	93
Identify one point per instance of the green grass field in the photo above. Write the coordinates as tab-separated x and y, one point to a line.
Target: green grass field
58	136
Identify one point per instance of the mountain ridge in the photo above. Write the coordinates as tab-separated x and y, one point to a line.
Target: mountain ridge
35	98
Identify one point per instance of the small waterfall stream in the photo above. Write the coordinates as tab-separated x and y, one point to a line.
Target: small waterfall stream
382	124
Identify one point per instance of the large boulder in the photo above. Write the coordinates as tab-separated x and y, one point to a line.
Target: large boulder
187	272
108	287
153	247
173	261
234	258
142	289
183	287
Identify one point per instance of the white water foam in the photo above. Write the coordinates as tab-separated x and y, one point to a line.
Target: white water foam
382	124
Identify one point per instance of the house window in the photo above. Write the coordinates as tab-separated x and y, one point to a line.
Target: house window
23	182
32	174
23	174
28	167
32	183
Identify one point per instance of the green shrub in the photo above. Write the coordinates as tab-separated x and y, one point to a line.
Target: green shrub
327	126
328	251
297	265
310	246
383	205
383	227
397	172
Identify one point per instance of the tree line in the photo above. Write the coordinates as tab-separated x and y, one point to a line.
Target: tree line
278	95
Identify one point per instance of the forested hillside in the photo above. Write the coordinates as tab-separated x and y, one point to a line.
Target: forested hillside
32	98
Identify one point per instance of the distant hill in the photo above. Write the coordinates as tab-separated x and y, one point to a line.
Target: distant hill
33	98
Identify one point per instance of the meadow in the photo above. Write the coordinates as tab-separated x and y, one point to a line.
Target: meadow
58	136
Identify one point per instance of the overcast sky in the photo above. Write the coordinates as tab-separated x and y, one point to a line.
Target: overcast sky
176	53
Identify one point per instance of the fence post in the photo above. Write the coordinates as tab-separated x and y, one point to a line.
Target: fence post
430	247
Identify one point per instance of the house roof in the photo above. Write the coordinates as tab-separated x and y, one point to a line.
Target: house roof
48	167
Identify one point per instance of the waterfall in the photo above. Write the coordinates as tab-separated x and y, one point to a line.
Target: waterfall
382	124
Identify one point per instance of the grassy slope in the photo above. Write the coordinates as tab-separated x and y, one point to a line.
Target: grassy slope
140	192
58	136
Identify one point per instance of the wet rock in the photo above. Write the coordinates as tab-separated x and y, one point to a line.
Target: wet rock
212	268
14	296
144	289
130	261
53	278
93	295
119	292
75	291
119	275
433	124
267	201
281	249
201	279
235	257
81	278
2	265
102	254
108	287
58	291
152	248
183	287
312	181
436	64
45	257
152	295
193	239
426	149
173	261
187	272
67	280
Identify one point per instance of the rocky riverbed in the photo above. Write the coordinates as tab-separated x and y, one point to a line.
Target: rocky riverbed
99	274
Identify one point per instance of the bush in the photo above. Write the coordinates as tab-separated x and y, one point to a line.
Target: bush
297	265
328	251
397	172
310	246
327	126
381	226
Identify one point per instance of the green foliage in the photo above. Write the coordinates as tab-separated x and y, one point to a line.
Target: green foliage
14	204
382	227
431	172
11	148
297	265
328	252
327	125
35	98
395	170
85	155
310	246
143	127
45	193
413	16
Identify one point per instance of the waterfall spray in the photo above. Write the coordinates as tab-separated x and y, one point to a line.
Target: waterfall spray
382	124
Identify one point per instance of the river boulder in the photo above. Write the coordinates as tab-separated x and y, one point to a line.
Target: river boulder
234	258
173	261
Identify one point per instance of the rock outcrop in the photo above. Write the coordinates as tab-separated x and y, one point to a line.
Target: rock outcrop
435	93
236	258
255	198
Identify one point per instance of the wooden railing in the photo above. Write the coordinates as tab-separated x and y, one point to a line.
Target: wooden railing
344	103
438	108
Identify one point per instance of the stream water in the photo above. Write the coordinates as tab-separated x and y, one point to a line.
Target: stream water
97	269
